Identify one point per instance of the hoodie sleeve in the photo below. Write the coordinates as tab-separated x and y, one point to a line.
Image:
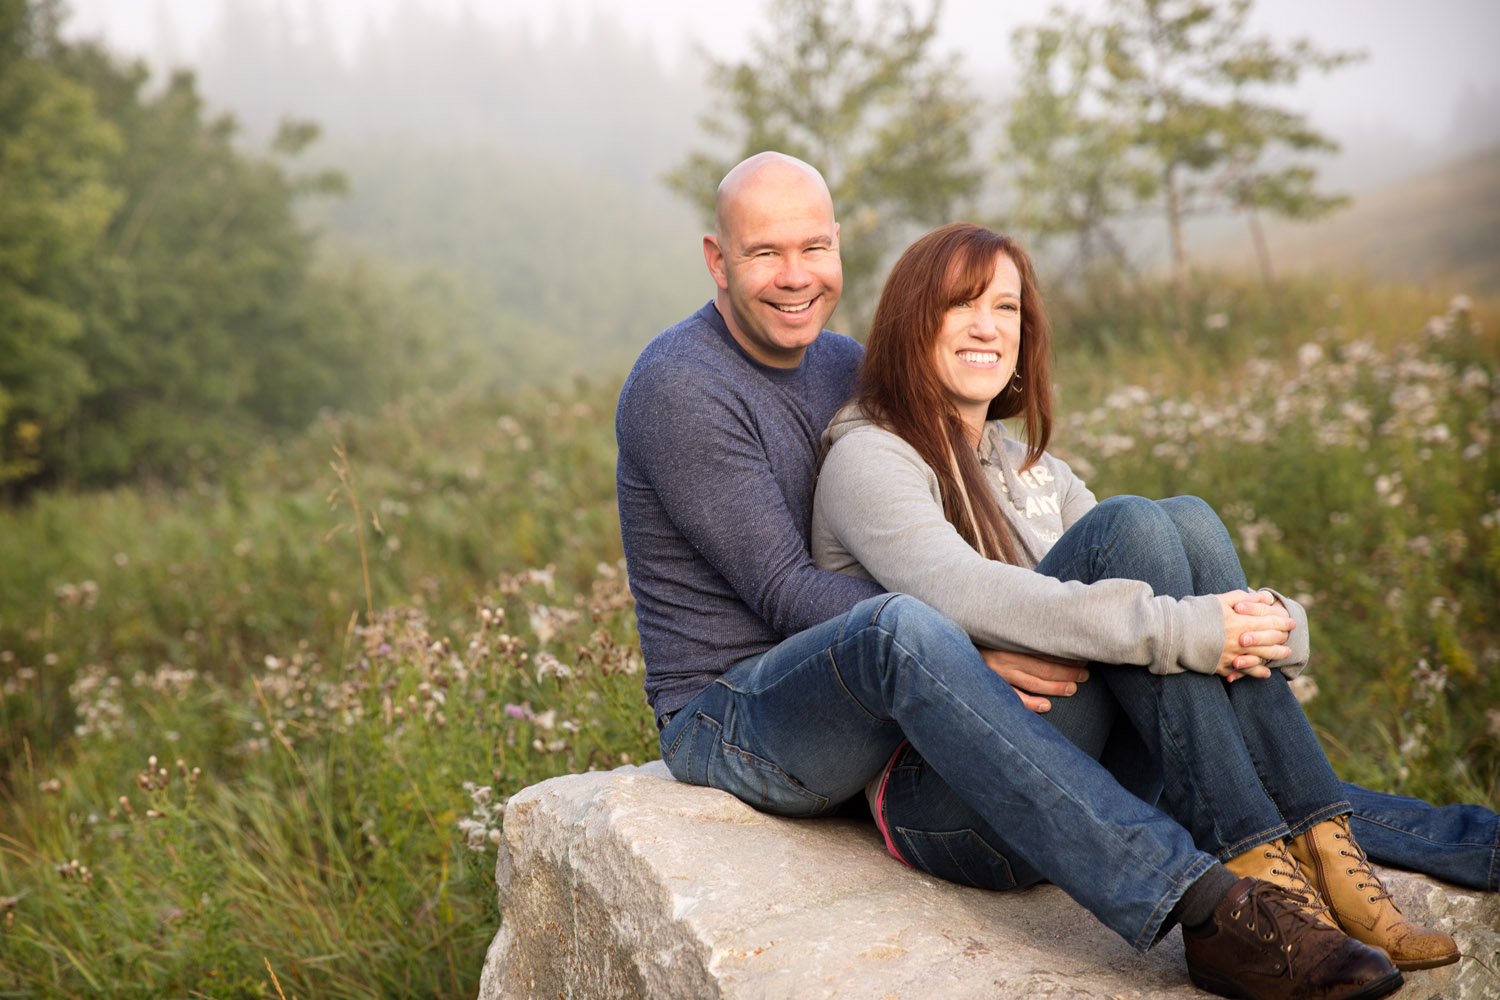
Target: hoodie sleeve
1300	641
877	504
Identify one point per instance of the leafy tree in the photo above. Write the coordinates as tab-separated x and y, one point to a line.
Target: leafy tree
1070	169
160	302
55	201
204	279
1159	104
866	102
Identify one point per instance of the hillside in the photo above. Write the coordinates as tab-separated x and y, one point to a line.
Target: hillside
1439	229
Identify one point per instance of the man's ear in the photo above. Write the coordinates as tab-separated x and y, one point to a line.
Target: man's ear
713	256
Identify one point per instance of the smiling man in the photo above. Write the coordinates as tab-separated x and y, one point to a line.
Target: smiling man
718	427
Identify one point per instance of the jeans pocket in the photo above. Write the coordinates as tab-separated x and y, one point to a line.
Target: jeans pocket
699	755
961	856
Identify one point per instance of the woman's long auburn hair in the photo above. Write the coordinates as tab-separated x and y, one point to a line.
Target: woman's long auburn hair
899	388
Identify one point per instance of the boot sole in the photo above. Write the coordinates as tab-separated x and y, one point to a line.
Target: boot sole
1224	987
1414	964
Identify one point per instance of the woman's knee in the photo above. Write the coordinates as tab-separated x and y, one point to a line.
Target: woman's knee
1134	514
1140	530
1207	545
1196	522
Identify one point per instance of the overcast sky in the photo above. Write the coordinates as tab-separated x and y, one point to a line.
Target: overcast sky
1422	56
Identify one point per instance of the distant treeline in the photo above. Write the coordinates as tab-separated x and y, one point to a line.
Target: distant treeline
160	307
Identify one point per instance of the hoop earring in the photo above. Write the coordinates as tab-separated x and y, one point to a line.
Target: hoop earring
1015	380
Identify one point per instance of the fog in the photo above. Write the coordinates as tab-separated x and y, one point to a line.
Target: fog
1430	81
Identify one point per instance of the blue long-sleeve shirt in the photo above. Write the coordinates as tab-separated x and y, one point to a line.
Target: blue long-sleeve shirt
717	456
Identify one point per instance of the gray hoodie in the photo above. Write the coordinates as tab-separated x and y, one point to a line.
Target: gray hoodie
878	515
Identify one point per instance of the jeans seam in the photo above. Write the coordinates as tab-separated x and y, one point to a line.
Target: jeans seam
1428	840
1495	862
1274	831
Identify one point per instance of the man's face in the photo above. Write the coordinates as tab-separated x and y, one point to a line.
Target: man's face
776	262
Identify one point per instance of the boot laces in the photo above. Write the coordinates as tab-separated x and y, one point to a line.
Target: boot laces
1272	907
1296	884
1362	868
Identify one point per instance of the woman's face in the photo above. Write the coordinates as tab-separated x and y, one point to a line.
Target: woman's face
979	343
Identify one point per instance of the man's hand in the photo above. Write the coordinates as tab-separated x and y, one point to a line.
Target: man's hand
1256	628
1036	676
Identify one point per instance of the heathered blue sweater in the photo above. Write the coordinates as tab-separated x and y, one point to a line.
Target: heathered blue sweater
715	485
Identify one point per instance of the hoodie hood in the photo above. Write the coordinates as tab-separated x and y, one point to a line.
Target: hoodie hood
844	421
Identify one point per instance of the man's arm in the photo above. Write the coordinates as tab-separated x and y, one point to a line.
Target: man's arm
695	441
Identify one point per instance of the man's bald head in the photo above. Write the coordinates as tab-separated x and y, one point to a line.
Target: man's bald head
753	173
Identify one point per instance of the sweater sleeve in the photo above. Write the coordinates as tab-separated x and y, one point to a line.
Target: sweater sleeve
696	443
879	500
1299	642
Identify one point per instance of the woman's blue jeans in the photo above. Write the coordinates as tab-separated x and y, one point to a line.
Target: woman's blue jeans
805	725
1235	764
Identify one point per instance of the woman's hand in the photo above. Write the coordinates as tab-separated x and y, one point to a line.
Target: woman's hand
1256	628
1034	677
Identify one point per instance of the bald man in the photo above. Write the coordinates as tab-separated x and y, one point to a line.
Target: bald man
790	687
718	426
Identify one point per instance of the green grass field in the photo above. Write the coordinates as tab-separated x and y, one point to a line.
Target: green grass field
259	732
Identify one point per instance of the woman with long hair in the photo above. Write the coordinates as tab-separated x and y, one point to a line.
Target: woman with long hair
1186	699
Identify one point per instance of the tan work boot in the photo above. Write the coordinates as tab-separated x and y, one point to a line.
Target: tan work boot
1360	905
1270	862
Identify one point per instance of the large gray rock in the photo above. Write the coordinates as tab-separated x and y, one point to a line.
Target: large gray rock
626	884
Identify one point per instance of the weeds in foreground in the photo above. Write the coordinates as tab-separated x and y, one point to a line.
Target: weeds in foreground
352	840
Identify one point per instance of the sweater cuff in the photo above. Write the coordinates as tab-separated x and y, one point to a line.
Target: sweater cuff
1299	642
1200	622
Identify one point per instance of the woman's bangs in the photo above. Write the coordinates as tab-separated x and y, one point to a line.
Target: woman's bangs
970	272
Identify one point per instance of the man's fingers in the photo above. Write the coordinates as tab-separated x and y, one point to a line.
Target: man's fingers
1037	685
1035	674
1031	701
1053	672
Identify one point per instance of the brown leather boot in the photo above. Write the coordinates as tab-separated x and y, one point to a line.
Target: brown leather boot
1270	862
1264	946
1358	902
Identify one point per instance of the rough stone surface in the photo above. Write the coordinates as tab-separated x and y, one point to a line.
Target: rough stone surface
627	885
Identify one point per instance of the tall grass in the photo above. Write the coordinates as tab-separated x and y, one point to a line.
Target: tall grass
349	728
220	767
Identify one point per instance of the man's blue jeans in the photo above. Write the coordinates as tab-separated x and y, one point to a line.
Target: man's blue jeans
1236	764
804	726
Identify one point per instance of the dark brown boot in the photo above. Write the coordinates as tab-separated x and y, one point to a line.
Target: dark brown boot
1265	946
